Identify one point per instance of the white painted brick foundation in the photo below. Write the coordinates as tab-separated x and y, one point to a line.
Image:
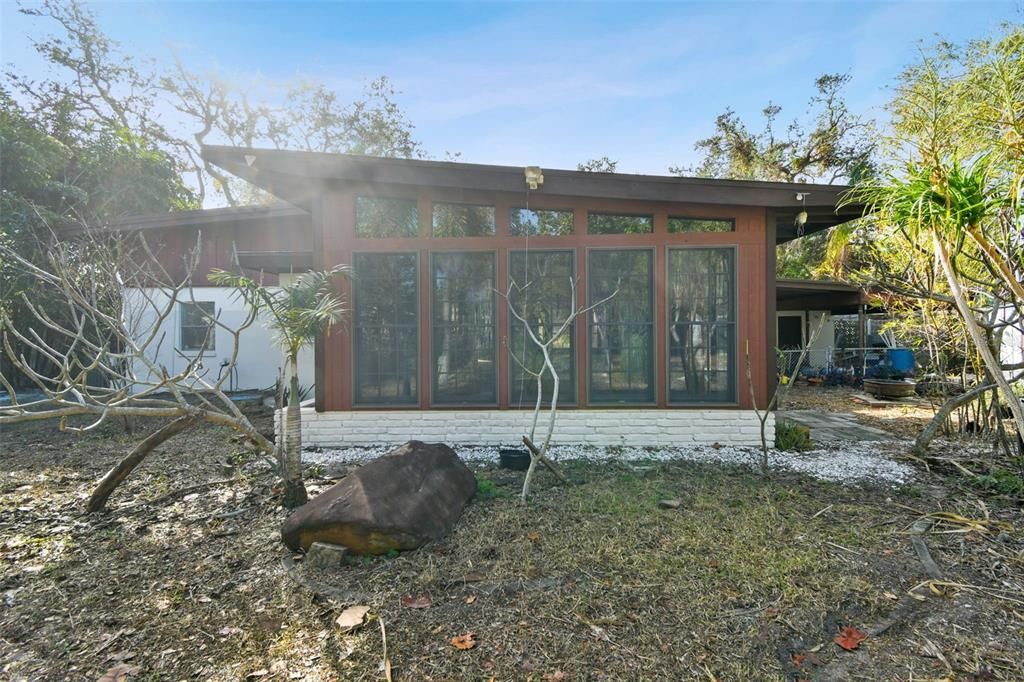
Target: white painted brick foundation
505	427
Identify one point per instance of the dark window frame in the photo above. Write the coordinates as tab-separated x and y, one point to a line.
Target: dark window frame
655	346
572	334
467	204
496	330
356	403
618	214
355	216
731	221
734	360
209	338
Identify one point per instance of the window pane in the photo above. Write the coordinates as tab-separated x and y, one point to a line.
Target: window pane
701	325
463	328
385	329
527	221
463	220
700	225
198	331
386	217
542	294
608	223
621	330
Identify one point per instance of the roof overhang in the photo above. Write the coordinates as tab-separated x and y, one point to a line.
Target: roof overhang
199	218
838	298
298	177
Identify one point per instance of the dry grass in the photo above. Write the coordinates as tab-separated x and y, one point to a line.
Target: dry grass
589	582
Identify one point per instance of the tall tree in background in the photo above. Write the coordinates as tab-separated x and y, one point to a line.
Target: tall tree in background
95	84
951	195
833	145
601	165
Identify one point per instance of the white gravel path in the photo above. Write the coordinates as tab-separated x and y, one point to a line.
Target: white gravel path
846	462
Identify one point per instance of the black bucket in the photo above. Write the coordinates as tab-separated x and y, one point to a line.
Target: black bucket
517	459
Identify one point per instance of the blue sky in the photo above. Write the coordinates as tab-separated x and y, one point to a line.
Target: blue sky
548	84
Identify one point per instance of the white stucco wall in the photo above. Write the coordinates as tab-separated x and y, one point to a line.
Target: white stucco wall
258	356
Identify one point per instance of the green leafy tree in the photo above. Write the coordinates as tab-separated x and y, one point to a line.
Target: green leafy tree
297	313
601	165
946	214
53	174
96	85
833	145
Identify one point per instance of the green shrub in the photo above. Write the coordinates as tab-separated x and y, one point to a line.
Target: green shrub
486	489
792	436
1002	481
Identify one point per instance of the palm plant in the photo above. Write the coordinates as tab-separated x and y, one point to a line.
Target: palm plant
952	209
297	313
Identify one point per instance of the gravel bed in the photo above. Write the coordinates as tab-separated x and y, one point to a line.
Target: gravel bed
843	462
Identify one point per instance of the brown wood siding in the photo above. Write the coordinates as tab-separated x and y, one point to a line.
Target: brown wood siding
754	265
218	242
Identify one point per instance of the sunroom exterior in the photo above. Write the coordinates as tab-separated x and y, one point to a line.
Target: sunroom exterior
431	350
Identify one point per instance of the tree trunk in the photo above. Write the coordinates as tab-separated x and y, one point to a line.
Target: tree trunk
932	429
116	476
294	489
980	342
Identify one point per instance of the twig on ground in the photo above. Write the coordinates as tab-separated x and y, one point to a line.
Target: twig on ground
545	460
172	495
384	639
822	511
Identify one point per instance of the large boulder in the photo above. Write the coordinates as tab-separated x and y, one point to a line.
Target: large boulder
399	501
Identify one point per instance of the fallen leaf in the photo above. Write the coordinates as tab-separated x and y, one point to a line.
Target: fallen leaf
422	601
119	673
849	638
557	676
464	641
798	659
351	618
533	536
262	672
470	599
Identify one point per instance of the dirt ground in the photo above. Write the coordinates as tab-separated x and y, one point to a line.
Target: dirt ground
185	578
904	418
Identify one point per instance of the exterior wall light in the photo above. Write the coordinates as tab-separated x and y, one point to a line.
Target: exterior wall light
534	176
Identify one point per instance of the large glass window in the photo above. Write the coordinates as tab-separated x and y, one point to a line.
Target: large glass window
386	329
621	330
530	222
198	330
463	328
542	294
463	220
678	224
611	223
701	325
386	217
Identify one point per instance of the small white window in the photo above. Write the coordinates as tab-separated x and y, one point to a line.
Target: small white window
197	328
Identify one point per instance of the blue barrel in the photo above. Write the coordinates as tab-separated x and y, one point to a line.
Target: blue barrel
901	360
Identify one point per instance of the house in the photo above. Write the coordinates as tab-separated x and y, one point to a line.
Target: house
428	351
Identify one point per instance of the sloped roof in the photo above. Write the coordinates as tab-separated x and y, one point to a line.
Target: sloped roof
298	177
